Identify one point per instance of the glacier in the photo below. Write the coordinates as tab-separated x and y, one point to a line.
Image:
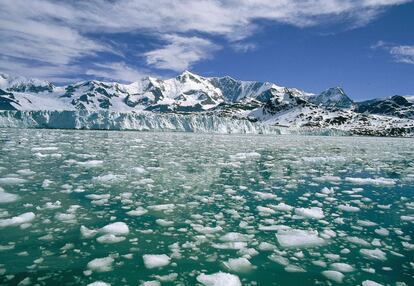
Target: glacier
139	121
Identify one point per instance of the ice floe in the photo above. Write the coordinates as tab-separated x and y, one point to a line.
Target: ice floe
219	279
156	260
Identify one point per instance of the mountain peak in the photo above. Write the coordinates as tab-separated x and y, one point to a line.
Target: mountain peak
333	97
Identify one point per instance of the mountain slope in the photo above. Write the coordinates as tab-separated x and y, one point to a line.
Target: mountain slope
263	102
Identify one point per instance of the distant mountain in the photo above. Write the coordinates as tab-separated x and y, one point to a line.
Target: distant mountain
189	93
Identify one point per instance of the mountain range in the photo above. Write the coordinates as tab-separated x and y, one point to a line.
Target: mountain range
262	102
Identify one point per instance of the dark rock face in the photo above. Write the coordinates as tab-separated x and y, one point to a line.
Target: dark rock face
395	106
6	98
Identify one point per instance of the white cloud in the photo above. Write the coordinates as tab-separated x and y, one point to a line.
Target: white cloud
180	52
403	54
59	33
116	71
400	53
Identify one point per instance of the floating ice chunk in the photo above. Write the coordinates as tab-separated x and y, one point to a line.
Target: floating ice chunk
331	179
407	217
333	275
162	207
236	237
46	183
298	238
273	227
265	196
348	208
7	197
219	279
358	241
230	245
244	156
265	246
101	264
51	206
369	181
342	267
167	278
137	212
312	213
382	231
265	210
91	163
110	238
367	223
109	178
407	245
206	229
87	233
49	148
64	217
279	259
384	207
373	254
370	283
98	283
282	207
116	228
164	222
12	181
238	265
151	283
139	170
156	260
18	220
294	269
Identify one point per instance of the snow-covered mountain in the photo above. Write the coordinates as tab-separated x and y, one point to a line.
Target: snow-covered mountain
188	93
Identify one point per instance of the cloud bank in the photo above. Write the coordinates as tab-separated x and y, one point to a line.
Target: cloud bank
56	37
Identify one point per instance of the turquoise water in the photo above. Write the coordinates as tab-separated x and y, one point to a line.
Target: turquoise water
269	210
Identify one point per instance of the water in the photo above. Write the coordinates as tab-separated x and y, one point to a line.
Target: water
336	199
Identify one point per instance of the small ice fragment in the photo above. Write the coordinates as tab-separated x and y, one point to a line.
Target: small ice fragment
110	238
370	283
342	267
137	212
312	213
373	254
164	222
369	181
101	264
17	220
87	233
335	276
219	279
156	260
348	208
116	228
299	238
11	181
238	265
206	229
7	197
236	237
98	283
282	207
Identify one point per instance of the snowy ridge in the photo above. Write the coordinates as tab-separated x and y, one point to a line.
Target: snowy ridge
223	98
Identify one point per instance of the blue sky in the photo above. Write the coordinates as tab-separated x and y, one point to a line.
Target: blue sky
365	46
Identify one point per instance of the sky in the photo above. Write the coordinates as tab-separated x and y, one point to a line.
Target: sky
364	46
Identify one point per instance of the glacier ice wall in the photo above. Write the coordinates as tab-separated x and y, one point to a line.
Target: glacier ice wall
141	121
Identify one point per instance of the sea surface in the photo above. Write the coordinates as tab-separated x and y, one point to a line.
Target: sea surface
132	208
